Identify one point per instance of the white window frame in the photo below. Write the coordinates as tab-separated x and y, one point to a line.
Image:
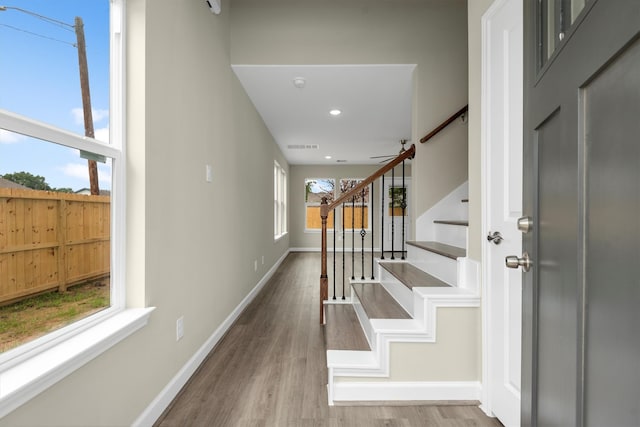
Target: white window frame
279	201
347	227
318	230
33	367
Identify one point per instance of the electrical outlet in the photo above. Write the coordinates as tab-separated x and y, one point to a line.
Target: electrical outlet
179	328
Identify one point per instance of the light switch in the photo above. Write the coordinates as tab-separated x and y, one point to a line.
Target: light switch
209	174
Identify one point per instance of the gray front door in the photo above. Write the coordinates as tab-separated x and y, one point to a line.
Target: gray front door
581	298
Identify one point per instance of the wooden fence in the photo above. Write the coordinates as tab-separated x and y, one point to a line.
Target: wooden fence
50	240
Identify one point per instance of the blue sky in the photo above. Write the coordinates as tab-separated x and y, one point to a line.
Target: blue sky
39	78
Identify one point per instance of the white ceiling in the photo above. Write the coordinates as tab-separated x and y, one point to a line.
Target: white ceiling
375	101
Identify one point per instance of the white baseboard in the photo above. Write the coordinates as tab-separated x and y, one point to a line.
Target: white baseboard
171	390
406	391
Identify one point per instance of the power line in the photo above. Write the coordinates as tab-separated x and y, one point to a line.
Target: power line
61	24
38	35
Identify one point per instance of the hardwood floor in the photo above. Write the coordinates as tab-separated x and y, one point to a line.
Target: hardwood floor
270	369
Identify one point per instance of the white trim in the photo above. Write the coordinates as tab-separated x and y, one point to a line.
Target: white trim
486	307
280	237
485	339
26	380
171	390
406	391
469	274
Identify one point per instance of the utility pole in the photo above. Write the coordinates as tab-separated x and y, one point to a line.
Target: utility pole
86	100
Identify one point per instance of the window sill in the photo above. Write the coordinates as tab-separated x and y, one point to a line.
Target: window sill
22	382
280	236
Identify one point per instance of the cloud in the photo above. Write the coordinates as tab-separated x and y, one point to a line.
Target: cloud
98	115
7	137
102	134
80	171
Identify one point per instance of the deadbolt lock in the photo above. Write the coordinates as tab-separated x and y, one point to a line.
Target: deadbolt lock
525	224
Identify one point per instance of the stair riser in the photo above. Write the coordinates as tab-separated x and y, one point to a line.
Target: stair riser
445	269
450	207
454	235
364	321
402	294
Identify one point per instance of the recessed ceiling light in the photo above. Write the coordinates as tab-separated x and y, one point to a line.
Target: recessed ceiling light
327	157
335	112
299	82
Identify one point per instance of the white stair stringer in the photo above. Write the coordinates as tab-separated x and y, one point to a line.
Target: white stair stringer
382	332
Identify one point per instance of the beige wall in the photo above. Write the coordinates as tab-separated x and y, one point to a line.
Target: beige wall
476	9
431	34
191	245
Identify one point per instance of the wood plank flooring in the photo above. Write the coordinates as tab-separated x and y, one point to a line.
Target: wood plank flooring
342	330
270	369
449	251
378	303
411	276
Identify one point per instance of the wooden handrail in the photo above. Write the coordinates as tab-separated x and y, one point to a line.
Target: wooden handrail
444	124
325	208
407	154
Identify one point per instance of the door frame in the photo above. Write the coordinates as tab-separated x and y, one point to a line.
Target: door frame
486	397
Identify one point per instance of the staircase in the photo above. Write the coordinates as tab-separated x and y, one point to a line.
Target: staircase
411	334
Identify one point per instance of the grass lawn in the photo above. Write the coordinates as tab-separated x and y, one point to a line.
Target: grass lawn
33	317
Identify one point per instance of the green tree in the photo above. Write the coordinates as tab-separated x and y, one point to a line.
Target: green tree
63	190
35	182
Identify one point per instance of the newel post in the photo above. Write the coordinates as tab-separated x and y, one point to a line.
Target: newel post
324	279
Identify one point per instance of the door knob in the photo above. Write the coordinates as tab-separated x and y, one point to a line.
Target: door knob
513	261
495	237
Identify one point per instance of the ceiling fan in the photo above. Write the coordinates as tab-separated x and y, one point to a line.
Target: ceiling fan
392	156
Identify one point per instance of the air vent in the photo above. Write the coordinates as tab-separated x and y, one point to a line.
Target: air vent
303	146
341	161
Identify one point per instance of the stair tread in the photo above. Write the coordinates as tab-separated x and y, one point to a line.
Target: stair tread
443	249
342	330
378	303
464	223
411	276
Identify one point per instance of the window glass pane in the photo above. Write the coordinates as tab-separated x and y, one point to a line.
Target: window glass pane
397	195
556	18
314	222
576	8
280	206
357	219
354	210
348	184
317	188
61	167
55	238
39	62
